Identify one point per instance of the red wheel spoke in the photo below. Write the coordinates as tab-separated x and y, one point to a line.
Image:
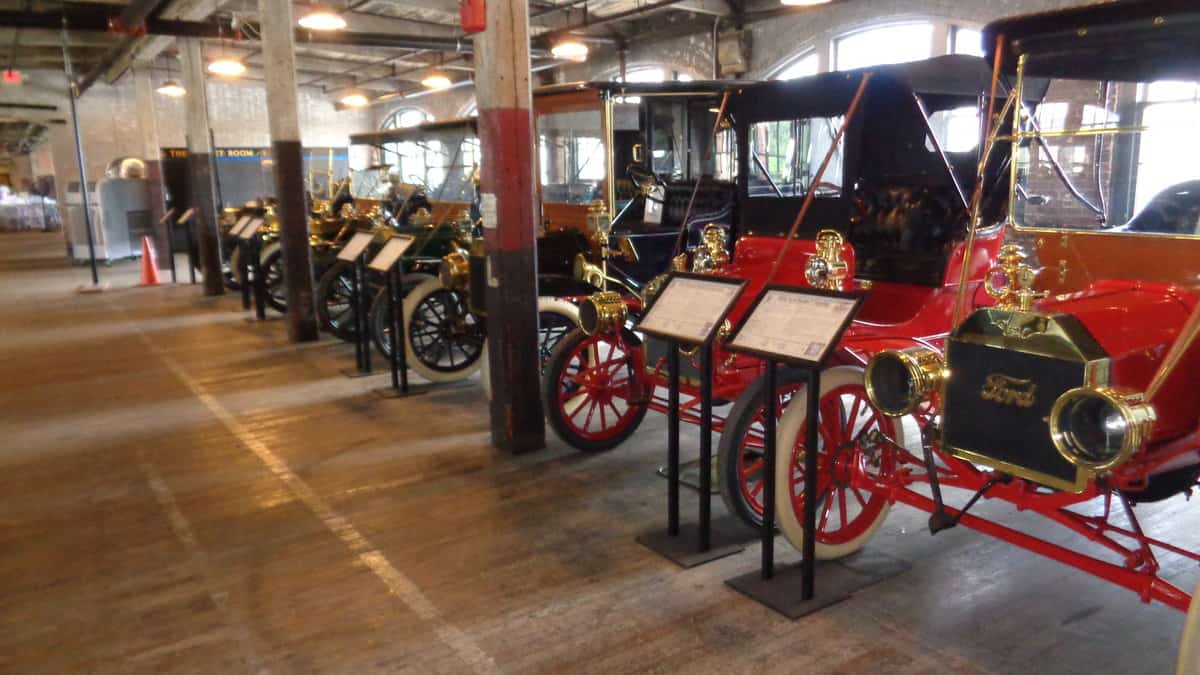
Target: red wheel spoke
758	487
853	416
858	496
824	514
603	421
753	466
587	423
580	408
616	412
842	505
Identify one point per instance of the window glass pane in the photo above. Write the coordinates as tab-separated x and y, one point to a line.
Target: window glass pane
887	44
801	67
571	156
1139	176
725	156
785	155
968	41
957	130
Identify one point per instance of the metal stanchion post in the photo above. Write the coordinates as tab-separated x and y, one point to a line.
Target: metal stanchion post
243	268
673	440
705	447
770	454
811	491
260	281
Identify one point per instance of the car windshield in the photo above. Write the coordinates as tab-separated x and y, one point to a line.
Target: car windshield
1112	156
443	162
571	157
369	183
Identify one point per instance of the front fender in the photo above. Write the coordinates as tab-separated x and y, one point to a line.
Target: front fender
859	350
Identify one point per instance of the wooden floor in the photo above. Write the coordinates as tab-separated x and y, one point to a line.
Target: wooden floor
183	491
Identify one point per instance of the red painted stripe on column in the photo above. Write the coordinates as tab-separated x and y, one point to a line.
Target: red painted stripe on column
506	135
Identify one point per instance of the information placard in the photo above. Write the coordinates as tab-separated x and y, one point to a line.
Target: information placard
794	324
236	230
691	307
250	229
391	252
355	247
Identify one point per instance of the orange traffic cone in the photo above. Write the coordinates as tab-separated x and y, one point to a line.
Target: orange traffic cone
149	264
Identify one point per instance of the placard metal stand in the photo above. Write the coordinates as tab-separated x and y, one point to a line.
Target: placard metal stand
354	252
250	242
770	331
167	222
689	311
186	221
388	263
243	266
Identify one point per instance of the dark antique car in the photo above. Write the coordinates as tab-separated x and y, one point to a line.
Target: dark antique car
889	214
605	151
1074	397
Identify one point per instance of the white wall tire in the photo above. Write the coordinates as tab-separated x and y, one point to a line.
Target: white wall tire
568	311
859	522
1189	646
453	373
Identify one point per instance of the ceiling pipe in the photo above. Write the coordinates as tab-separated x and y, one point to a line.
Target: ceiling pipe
610	18
93	19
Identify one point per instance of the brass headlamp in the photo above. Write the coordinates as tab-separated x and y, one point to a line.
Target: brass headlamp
827	269
898	381
602	313
455	270
1099	428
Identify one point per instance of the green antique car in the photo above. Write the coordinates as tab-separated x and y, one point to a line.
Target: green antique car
425	187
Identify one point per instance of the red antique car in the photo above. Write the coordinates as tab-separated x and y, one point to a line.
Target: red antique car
890	214
1074	397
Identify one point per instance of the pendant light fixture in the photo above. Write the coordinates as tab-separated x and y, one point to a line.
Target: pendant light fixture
355	99
224	65
322	19
171	86
570	49
436	81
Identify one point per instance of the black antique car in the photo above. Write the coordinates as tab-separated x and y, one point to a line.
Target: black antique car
618	168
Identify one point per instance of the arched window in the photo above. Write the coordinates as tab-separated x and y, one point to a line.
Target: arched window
893	43
405	117
411	161
803	66
966	41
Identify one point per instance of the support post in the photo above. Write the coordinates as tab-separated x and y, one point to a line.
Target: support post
72	95
279	62
510	222
200	168
143	86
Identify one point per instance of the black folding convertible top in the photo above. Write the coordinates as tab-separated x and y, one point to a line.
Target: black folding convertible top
468	125
1129	40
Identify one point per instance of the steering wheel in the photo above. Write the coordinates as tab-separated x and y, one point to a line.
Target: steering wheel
642	178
